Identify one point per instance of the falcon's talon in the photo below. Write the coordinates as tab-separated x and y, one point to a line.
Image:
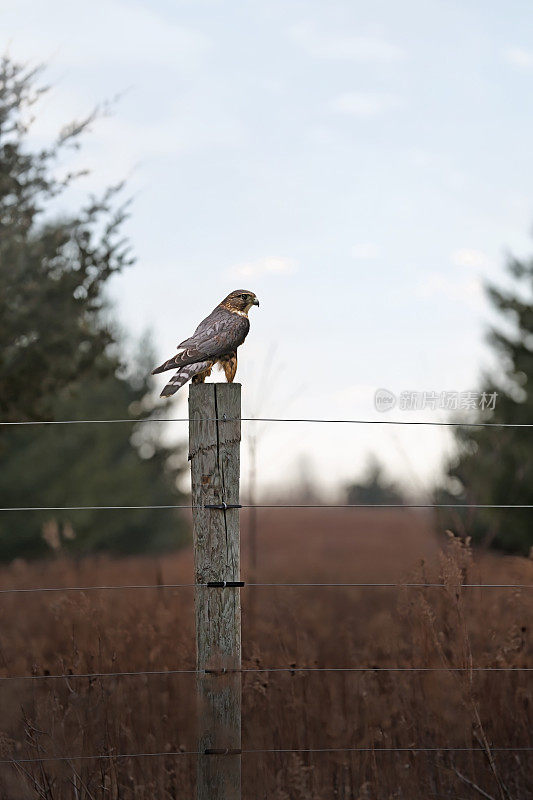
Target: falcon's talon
215	341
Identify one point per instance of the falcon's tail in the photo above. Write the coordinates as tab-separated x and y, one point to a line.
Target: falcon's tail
170	364
183	375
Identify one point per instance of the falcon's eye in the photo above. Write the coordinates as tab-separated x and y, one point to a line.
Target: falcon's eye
244	296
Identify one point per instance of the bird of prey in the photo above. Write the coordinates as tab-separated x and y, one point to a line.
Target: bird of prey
215	341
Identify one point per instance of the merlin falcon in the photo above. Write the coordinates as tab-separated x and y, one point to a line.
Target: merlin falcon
215	341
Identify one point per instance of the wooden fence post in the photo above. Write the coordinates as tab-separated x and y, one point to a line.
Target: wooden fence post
214	452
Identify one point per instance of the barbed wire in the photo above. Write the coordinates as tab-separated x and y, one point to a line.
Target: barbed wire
32	589
251	670
172	753
132	421
271	505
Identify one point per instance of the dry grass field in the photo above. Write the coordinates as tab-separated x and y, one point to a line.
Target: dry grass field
152	629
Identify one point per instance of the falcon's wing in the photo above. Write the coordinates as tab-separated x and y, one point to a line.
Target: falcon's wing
207	329
220	333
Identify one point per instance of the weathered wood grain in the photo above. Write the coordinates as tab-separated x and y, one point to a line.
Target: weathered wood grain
214	451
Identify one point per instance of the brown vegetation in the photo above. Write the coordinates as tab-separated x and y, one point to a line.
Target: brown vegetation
152	629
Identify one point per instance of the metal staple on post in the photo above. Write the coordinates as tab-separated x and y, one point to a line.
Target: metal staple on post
214	448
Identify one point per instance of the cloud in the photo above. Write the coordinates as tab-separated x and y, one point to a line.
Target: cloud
366	251
122	140
475	259
352	395
364	104
467	291
108	32
264	266
519	57
339	46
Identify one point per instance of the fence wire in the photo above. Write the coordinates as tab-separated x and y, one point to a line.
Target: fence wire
272	505
251	670
222	753
35	589
283	669
454	424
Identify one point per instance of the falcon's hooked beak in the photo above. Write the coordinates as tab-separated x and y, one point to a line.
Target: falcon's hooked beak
255	301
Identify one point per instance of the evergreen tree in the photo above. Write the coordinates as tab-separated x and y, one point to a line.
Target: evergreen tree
495	465
59	359
119	464
53	271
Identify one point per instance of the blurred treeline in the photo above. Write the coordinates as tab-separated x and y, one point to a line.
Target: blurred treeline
494	465
61	358
374	488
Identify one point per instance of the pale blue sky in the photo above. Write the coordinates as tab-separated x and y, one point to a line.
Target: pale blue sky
358	165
